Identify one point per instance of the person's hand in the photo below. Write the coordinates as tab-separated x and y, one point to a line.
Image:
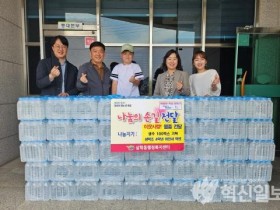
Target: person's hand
83	78
179	85
63	94
54	73
215	82
132	79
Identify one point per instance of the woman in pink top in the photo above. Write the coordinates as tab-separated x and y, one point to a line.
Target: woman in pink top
205	82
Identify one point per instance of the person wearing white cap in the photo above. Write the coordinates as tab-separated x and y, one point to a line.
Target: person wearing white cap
127	75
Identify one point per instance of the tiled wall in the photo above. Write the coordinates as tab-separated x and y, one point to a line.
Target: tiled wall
11	77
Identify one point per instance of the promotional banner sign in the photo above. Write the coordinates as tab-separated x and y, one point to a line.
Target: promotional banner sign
147	125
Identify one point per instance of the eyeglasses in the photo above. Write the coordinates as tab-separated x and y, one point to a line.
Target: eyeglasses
60	47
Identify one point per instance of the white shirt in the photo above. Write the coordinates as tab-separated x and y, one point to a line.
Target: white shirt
200	83
122	74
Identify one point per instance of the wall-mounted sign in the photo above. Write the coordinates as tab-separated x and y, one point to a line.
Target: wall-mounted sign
89	40
149	125
70	25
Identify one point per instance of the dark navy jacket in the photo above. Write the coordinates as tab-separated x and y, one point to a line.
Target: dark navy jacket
54	88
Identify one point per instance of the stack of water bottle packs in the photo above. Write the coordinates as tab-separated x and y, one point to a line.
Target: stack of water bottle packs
65	142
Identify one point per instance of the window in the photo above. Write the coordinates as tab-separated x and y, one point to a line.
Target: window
64	10
223	16
177	21
32	20
125	21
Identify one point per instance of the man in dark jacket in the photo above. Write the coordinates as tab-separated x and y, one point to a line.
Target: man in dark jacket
94	76
56	76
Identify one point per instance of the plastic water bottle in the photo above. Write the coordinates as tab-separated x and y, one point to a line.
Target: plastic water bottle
62	171
214	111
86	190
210	129
84	107
37	191
209	169
60	151
260	108
136	170
190	107
191	129
58	107
135	190
59	130
229	190
33	151
85	129
234	129
211	149
259	171
231	108
160	170
242	104
190	152
87	171
207	190
225	107
37	171
111	190
136	156
159	190
237	149
32	130
86	150
31	108
203	108
216	108
239	170
261	191
105	153
269	104
182	190
250	108
244	191
228	172
111	171
104	130
184	169
161	156
260	130
62	190
237	191
104	108
262	150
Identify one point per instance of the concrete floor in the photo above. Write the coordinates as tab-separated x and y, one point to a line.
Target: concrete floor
12	197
